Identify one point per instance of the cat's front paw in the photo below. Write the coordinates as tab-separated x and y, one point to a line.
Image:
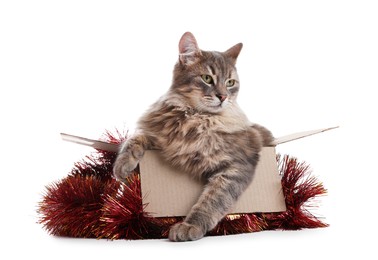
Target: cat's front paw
185	232
124	165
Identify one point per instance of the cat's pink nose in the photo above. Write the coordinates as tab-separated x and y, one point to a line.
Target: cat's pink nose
221	97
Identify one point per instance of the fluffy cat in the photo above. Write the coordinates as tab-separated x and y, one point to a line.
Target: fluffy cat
199	127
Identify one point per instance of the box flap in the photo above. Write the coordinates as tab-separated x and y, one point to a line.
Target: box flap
90	142
291	137
115	147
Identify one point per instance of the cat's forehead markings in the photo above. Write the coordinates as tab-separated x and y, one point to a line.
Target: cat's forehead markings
212	73
211	70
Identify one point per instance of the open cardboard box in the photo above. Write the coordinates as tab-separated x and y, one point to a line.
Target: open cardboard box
167	191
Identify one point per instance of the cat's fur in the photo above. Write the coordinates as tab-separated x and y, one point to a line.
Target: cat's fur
199	127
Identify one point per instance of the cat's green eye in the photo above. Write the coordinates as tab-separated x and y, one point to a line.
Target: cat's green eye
230	83
207	79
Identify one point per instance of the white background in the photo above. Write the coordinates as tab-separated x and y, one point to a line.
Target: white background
85	66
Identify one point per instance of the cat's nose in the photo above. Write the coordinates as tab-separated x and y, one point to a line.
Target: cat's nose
221	97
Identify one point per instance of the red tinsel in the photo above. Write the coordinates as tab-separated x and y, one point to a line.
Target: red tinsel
72	207
90	203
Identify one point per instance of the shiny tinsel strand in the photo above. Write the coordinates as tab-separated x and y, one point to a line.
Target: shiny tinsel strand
299	189
239	223
124	216
72	206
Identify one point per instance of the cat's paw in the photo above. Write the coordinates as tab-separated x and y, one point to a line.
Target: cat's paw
185	232
124	165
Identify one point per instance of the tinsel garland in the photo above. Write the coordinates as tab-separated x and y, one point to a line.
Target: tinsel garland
89	203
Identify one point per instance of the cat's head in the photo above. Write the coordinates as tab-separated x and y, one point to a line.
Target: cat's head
206	79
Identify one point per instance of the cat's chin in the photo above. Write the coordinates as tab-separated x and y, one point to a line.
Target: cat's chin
215	109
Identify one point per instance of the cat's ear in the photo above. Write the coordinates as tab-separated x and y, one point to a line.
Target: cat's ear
234	51
188	49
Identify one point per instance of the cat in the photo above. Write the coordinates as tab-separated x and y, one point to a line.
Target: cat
199	127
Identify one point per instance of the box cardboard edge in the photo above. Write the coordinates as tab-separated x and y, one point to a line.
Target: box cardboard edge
111	147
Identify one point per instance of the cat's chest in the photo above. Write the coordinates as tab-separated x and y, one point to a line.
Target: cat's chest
173	129
203	126
198	142
203	133
213	124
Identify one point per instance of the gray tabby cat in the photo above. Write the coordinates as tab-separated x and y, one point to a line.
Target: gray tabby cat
199	127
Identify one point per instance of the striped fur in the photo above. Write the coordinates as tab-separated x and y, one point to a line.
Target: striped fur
199	127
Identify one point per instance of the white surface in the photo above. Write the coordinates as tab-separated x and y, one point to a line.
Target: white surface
84	66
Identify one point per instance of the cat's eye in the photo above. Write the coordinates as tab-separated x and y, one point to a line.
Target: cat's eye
230	83
207	79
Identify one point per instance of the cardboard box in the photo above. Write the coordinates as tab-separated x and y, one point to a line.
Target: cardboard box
167	191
